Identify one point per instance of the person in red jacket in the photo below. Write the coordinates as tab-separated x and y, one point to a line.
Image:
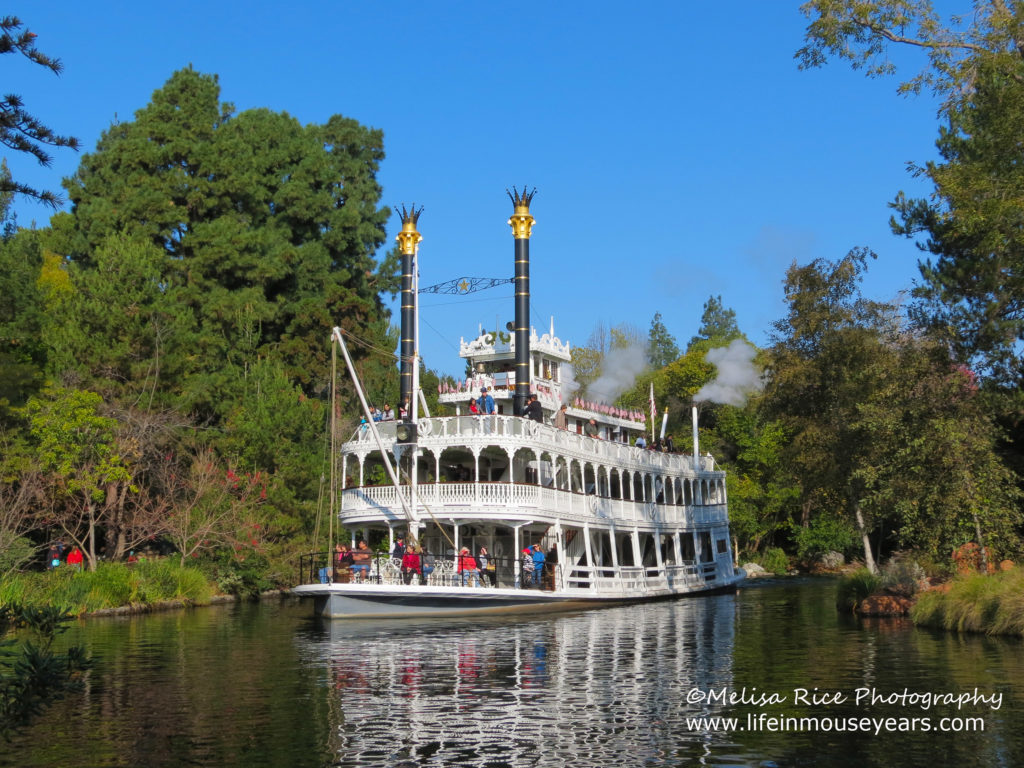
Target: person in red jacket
466	565
411	565
75	558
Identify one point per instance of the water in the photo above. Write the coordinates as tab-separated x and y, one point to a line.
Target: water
267	685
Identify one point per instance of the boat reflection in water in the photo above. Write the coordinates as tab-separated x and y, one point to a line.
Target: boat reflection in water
603	687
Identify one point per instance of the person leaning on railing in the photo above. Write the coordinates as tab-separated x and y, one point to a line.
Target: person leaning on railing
361	558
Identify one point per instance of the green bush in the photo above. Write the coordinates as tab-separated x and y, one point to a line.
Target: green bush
826	533
111	585
773	560
854	588
246	577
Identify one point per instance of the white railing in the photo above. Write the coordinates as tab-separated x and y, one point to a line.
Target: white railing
477	498
440	432
637	580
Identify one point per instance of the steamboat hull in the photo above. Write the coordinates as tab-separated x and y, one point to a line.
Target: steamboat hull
359	601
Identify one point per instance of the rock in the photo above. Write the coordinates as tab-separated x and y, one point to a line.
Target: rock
755	571
885	605
832	560
1006	565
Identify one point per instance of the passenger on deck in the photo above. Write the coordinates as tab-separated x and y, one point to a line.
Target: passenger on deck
590	429
388	415
527	562
486	402
472	407
483	560
342	564
411	565
640	442
374	413
399	549
361	558
533	409
427	563
538	564
466	566
669	445
561	422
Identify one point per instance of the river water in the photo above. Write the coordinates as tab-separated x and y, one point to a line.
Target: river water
652	685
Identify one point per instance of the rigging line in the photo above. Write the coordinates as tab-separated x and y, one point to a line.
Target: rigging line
447	340
369	345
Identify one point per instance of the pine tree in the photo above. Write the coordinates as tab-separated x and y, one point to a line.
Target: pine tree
19	130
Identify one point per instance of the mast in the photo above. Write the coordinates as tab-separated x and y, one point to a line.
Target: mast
522	223
408	239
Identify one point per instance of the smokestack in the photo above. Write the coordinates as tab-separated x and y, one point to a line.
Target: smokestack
408	239
696	446
521	223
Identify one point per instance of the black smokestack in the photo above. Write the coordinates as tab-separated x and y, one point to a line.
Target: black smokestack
522	223
408	239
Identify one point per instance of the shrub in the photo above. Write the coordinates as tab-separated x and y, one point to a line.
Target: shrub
826	533
854	588
111	585
773	560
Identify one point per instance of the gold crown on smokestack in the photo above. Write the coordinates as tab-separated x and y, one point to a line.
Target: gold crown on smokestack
521	221
408	238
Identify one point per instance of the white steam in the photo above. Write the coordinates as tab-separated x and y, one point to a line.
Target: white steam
737	377
619	370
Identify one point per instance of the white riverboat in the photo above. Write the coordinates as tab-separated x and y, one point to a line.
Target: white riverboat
617	523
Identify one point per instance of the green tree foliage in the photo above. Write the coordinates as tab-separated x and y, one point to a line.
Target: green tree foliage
23	353
820	352
862	31
264	233
661	345
19	130
934	466
717	324
32	674
761	491
275	428
76	448
886	433
972	292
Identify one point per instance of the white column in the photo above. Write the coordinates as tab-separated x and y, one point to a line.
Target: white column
590	556
516	565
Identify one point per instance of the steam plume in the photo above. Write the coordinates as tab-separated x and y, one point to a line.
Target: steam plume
737	377
619	370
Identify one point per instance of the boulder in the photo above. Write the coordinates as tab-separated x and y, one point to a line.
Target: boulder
754	571
831	560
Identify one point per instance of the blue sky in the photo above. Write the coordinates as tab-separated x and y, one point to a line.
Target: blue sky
677	150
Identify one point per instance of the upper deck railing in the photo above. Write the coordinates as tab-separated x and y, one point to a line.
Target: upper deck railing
503	501
443	431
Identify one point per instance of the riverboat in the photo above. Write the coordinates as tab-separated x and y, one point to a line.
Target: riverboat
616	522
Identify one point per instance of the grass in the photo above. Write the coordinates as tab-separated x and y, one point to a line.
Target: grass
111	585
855	587
992	605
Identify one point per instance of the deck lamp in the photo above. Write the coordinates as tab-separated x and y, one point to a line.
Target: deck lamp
405	433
